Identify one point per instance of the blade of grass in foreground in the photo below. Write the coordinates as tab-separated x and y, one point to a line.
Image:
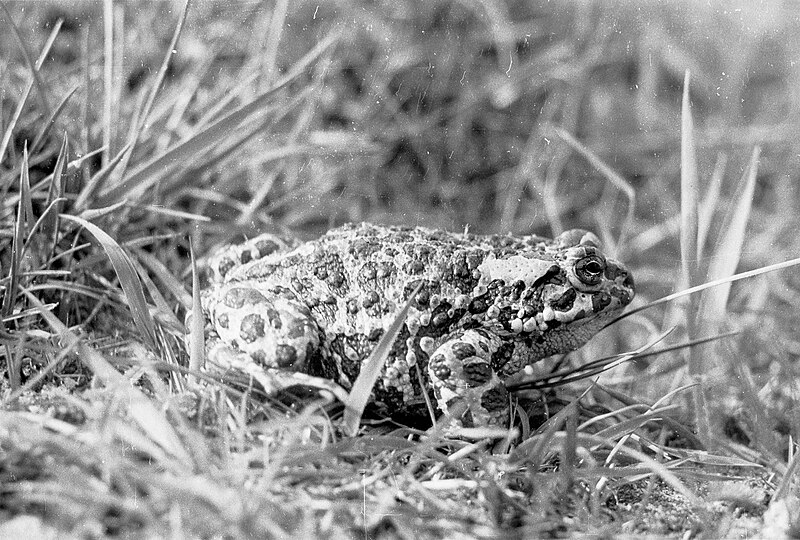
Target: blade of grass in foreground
55	191
20	232
128	278
371	370
196	336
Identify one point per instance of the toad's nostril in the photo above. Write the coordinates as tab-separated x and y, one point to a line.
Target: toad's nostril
628	282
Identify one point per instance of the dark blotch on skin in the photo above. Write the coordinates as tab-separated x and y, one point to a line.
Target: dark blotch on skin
296	329
422	299
565	301
612	271
368	271
237	297
337	279
266	247
502	355
375	334
415	267
440	319
385	270
439	367
259	356
285	355
477	373
463	350
225	266
424	294
274	317
553	275
478	304
623	295
252	328
600	301
370	299
628	281
222	320
495	399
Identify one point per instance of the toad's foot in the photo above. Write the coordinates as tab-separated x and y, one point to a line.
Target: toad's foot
272	381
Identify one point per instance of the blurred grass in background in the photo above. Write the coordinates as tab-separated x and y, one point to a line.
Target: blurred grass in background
441	112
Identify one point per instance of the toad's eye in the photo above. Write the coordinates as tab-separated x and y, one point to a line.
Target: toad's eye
590	269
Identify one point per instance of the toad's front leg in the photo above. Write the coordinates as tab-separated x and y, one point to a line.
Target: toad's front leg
465	383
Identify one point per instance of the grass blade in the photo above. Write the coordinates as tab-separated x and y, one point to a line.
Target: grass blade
48	44
128	279
14	119
276	26
34	71
168	281
108	76
371	370
48	125
706	211
162	71
54	193
729	250
196	331
689	192
690	257
17	243
99	178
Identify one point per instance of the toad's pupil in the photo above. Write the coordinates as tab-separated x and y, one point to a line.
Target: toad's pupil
594	267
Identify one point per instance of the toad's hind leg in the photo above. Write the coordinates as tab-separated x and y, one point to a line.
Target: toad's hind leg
465	383
268	333
272	381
